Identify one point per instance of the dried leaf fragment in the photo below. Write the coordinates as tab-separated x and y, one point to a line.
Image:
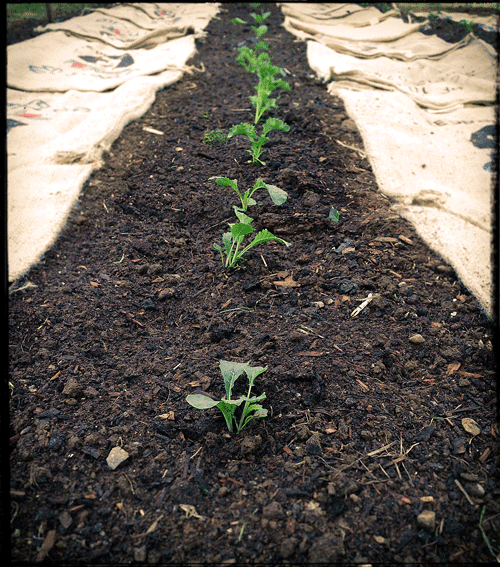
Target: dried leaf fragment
471	426
190	511
288	282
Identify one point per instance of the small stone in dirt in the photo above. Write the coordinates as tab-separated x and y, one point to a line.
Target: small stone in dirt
459	445
91	392
272	511
116	457
425	434
417	339
477	490
310	199
427	520
166	293
251	444
72	389
65	519
296	336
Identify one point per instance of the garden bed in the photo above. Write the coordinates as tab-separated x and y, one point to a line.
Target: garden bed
364	455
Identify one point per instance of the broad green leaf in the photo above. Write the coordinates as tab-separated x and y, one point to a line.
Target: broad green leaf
259	412
274	124
278	196
242	399
243	128
258	409
227	240
238	21
231	371
252	372
228	413
242	217
200	401
240	229
261	30
266	236
219	250
334	215
225	182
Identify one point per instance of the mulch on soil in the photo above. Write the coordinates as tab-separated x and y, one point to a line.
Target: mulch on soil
368	453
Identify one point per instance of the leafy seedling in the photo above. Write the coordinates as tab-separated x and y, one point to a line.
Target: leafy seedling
250	408
250	60
233	250
267	84
467	25
333	215
256	141
238	21
259	31
259	18
278	196
213	136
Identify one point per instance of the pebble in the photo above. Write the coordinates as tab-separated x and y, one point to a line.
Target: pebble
427	520
417	339
72	389
477	490
116	457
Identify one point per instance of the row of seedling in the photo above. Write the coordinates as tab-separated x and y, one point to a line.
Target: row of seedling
258	61
238	412
255	60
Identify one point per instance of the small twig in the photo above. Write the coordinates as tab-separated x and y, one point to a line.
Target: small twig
464	492
358	310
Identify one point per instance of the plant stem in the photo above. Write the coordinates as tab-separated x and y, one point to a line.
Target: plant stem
240	425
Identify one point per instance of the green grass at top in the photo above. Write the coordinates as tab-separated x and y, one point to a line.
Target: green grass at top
38	10
17	12
434	6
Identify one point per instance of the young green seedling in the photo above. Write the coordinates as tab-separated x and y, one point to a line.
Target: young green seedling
257	141
233	253
251	410
333	215
278	196
250	60
212	136
467	25
259	18
260	30
262	101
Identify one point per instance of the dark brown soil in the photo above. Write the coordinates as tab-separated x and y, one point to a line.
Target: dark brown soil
363	457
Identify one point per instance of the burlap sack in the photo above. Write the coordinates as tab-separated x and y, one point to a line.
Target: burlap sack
426	113
57	62
131	27
351	14
76	97
407	48
462	76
